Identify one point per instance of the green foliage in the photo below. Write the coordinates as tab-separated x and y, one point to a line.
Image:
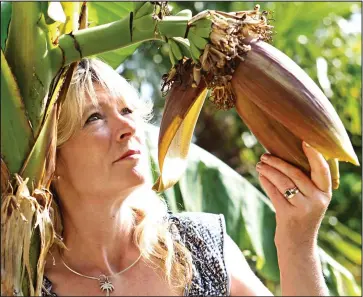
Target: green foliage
5	21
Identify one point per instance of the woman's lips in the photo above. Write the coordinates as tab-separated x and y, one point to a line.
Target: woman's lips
130	154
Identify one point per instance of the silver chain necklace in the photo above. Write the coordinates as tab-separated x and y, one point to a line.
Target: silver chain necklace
104	280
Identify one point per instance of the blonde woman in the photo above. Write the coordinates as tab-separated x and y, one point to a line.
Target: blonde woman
117	236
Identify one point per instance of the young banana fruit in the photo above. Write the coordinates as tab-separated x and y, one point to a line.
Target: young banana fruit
175	52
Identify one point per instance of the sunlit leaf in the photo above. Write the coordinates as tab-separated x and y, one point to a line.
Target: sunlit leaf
5	21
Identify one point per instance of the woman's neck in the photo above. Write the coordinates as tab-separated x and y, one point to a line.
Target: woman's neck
98	235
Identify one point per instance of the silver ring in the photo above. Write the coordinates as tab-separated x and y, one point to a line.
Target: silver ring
290	193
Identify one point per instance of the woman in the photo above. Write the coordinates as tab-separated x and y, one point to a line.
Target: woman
118	236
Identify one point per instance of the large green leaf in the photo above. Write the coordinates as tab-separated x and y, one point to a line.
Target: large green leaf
16	132
348	233
29	55
209	185
5	21
339	280
106	12
351	251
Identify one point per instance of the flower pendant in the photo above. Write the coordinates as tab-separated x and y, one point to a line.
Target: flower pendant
105	284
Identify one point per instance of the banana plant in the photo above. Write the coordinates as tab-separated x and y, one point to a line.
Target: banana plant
41	44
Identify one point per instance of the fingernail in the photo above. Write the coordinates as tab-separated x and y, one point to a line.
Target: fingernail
306	144
258	165
264	157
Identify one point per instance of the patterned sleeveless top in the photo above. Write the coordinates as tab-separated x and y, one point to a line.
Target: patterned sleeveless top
203	235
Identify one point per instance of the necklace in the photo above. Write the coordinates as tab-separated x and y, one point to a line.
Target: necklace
104	280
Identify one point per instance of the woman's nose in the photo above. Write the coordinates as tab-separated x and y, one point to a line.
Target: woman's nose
126	128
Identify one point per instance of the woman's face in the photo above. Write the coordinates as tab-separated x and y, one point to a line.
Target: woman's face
90	160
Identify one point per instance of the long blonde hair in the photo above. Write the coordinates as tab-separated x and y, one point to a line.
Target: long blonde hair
147	220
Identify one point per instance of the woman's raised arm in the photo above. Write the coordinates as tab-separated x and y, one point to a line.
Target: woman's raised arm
300	203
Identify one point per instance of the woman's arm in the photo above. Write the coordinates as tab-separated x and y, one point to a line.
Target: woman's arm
300	272
297	223
298	220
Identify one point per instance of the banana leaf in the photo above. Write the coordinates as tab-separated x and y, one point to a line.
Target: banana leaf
5	21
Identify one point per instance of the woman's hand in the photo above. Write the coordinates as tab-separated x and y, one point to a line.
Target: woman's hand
297	219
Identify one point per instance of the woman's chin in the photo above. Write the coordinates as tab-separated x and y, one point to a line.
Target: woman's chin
134	176
137	177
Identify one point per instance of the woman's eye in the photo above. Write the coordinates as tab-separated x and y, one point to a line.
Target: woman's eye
93	117
126	110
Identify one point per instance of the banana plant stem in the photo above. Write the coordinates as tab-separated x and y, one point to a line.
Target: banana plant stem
107	37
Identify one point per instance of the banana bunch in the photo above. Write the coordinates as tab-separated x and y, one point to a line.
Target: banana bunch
278	101
175	53
178	49
198	36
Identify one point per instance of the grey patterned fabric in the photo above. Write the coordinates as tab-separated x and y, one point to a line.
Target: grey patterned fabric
203	234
